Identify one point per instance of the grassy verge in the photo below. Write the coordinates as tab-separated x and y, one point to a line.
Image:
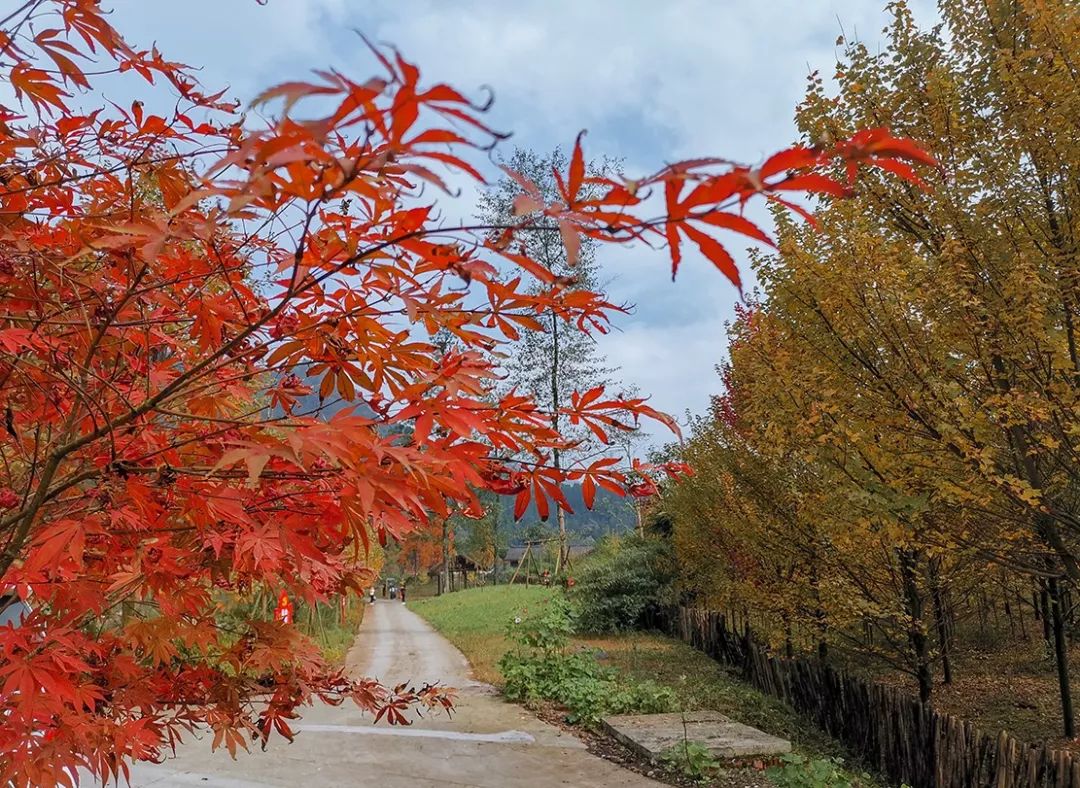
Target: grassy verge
475	621
702	683
333	631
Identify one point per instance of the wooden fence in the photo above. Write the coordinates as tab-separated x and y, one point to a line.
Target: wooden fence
890	729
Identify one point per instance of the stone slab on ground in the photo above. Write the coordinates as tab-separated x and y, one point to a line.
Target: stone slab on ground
652	734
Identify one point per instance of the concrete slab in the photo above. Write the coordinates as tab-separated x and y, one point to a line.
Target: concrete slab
652	734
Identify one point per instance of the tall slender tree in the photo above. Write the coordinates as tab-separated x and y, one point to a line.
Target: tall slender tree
551	364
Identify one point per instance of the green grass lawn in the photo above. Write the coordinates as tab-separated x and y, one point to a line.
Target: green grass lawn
475	621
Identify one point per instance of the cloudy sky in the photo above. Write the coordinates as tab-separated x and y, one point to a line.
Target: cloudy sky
651	80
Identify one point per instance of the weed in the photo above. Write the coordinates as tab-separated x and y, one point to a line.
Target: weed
542	668
798	771
691	759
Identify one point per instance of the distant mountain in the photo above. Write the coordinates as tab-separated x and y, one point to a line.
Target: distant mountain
611	514
311	405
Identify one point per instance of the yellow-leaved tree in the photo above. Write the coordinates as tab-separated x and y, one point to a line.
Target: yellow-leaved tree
910	369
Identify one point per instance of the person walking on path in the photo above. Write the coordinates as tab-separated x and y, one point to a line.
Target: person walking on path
403	592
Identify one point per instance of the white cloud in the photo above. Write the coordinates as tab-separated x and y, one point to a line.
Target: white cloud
236	42
674	363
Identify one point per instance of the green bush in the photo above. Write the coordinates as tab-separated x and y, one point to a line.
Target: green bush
541	668
625	584
797	771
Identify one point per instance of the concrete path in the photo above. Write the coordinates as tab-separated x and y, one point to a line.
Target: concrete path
487	742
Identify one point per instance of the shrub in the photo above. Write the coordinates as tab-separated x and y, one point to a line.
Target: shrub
691	759
625	584
797	771
541	668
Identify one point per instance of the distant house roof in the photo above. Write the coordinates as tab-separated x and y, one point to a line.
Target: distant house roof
459	562
463	561
516	553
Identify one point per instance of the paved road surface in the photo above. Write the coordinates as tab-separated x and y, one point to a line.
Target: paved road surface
487	742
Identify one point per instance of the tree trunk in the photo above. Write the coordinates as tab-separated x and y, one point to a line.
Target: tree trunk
1069	611
445	584
495	549
1007	605
916	628
820	619
940	622
1044	600
560	515
564	548
980	600
1061	653
1020	616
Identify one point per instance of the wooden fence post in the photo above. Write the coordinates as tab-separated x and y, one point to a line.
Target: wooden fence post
891	731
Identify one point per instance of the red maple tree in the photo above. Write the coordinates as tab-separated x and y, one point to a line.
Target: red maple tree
212	332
